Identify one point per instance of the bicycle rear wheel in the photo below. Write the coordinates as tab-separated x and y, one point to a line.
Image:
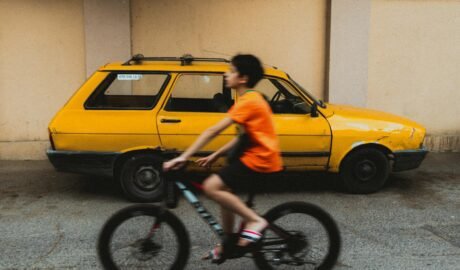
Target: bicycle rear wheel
143	237
300	236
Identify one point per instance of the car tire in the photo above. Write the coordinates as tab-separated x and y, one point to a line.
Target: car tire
364	171
140	178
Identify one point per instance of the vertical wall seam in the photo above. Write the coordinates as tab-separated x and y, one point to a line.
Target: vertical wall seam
327	50
130	12
85	40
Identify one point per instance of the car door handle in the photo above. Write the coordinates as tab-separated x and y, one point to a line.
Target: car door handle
170	120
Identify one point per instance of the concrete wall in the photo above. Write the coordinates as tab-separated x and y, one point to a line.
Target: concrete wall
287	34
42	62
414	65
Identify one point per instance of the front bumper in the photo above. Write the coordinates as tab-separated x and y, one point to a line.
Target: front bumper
95	163
407	160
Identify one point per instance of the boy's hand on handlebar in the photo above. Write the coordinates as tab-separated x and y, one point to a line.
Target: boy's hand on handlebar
206	161
174	164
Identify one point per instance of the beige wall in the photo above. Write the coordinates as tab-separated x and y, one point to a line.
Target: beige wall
414	65
413	53
348	52
287	34
42	62
107	32
48	47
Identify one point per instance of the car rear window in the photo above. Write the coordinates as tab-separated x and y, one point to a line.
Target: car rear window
200	93
129	91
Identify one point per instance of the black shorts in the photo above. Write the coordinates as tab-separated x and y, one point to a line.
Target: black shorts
239	177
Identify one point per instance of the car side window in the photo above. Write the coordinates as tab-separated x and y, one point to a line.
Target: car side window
200	93
127	91
282	96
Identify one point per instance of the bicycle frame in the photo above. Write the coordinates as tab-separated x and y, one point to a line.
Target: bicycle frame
200	209
213	223
190	196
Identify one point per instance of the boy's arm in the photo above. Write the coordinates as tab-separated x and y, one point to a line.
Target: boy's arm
201	141
209	160
207	136
226	147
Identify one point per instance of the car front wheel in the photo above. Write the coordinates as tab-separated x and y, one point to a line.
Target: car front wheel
140	178
365	171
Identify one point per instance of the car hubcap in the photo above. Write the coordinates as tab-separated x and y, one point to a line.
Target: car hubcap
365	170
147	178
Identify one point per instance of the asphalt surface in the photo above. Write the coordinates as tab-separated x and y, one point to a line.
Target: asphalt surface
51	220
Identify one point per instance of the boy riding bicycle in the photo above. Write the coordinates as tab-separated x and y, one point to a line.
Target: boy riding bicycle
259	159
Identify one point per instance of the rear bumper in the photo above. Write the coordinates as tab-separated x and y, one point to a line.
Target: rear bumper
407	160
95	163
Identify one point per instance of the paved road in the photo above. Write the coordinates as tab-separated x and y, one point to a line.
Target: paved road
50	220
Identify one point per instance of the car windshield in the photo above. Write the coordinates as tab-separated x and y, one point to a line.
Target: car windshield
319	102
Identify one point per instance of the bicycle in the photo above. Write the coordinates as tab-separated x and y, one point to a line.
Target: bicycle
281	246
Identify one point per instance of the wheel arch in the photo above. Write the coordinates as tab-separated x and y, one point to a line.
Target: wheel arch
385	150
117	165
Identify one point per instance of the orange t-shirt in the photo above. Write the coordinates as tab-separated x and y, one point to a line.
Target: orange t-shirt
253	113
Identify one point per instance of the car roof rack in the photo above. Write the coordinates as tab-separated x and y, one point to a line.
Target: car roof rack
185	60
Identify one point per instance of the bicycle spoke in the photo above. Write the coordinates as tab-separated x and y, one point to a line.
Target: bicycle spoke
294	241
157	249
123	247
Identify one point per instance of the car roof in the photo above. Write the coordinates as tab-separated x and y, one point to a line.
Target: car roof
175	66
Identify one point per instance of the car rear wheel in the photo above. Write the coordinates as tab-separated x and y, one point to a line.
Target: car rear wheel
140	178
365	171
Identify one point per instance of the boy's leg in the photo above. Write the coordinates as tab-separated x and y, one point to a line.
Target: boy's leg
216	189
228	220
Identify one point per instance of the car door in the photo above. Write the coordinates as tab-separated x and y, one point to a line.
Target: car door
195	102
305	140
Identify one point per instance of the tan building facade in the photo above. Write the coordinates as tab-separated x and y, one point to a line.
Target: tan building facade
414	65
396	56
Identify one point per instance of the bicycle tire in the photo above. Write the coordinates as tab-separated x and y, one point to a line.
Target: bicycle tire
175	226
314	212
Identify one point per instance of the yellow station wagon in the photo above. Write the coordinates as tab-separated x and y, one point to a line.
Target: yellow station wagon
128	117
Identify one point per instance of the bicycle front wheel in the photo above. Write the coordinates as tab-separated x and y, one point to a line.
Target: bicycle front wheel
300	236
143	237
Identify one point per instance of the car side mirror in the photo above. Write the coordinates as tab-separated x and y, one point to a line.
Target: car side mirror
314	110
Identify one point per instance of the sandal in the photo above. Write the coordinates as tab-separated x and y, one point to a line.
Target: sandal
229	249
253	237
215	255
221	252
